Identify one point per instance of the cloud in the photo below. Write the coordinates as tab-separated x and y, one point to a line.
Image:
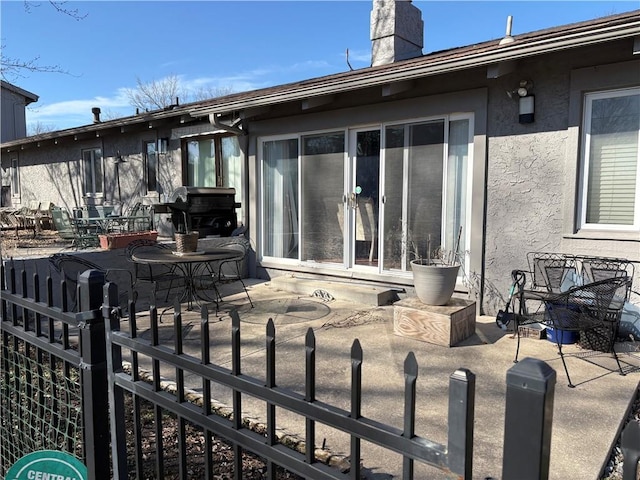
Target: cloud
361	56
73	113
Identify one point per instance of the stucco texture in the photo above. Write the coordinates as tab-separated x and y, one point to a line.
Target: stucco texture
526	178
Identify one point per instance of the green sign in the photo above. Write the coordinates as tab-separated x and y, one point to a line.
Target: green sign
47	465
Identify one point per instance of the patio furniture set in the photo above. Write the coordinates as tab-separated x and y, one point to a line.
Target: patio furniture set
35	218
572	297
85	231
191	278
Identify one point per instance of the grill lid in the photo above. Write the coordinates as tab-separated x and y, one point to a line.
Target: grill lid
186	194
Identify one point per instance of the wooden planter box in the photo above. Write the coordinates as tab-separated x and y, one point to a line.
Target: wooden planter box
111	241
444	325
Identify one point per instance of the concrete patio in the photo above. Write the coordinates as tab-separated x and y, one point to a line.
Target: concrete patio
586	419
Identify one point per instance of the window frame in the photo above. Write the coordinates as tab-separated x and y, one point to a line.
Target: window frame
15	178
217	151
161	148
93	192
299	136
585	137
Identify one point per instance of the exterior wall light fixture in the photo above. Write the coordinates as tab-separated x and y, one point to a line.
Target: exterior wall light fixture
526	102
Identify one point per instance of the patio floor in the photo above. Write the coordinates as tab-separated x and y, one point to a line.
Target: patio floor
593	410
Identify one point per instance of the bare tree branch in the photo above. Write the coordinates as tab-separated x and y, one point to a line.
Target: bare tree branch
58	5
160	94
12	68
154	95
73	13
208	93
37	128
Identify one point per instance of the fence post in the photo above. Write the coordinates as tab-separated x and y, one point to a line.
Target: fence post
528	420
93	375
462	401
630	444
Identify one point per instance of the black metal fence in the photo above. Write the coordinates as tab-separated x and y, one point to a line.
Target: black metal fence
53	377
66	387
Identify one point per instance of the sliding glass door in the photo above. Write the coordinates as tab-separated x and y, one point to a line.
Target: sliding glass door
426	185
363	195
369	199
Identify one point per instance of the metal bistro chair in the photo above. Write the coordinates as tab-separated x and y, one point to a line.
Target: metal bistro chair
600	268
139	218
547	273
595	308
160	277
80	236
230	270
69	267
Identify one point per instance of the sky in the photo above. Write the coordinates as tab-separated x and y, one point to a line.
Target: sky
228	45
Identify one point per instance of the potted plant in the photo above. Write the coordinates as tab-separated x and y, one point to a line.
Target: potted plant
435	276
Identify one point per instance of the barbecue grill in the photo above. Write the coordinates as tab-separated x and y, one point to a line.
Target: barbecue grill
207	210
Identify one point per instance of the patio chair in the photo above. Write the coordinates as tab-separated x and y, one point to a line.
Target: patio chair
69	267
160	277
595	308
600	268
139	218
230	270
548	271
80	236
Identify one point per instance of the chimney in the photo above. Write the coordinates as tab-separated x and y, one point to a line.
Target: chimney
96	114
396	31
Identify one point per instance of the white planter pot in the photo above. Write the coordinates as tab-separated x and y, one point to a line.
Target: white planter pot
434	282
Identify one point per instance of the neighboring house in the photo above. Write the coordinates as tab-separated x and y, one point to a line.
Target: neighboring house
13	125
528	143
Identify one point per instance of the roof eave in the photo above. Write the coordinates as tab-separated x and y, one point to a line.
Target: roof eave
415	69
430	65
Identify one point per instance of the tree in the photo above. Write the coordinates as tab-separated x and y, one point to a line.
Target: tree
12	68
37	128
160	94
205	93
154	95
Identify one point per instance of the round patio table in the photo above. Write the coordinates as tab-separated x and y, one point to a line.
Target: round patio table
192	265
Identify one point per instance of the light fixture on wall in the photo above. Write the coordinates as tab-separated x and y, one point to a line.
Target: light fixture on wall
526	102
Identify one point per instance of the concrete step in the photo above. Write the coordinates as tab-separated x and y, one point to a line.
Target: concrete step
364	294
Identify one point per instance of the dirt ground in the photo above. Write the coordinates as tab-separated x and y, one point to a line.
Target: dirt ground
12	242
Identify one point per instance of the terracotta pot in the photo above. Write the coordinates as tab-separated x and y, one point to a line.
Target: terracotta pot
111	241
434	282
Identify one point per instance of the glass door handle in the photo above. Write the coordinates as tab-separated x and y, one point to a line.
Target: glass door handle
353	203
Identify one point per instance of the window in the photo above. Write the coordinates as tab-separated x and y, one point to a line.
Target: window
331	198
201	163
280	198
152	151
92	170
15	178
427	183
215	162
610	182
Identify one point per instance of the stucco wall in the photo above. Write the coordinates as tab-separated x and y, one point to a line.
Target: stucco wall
526	174
52	173
532	180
